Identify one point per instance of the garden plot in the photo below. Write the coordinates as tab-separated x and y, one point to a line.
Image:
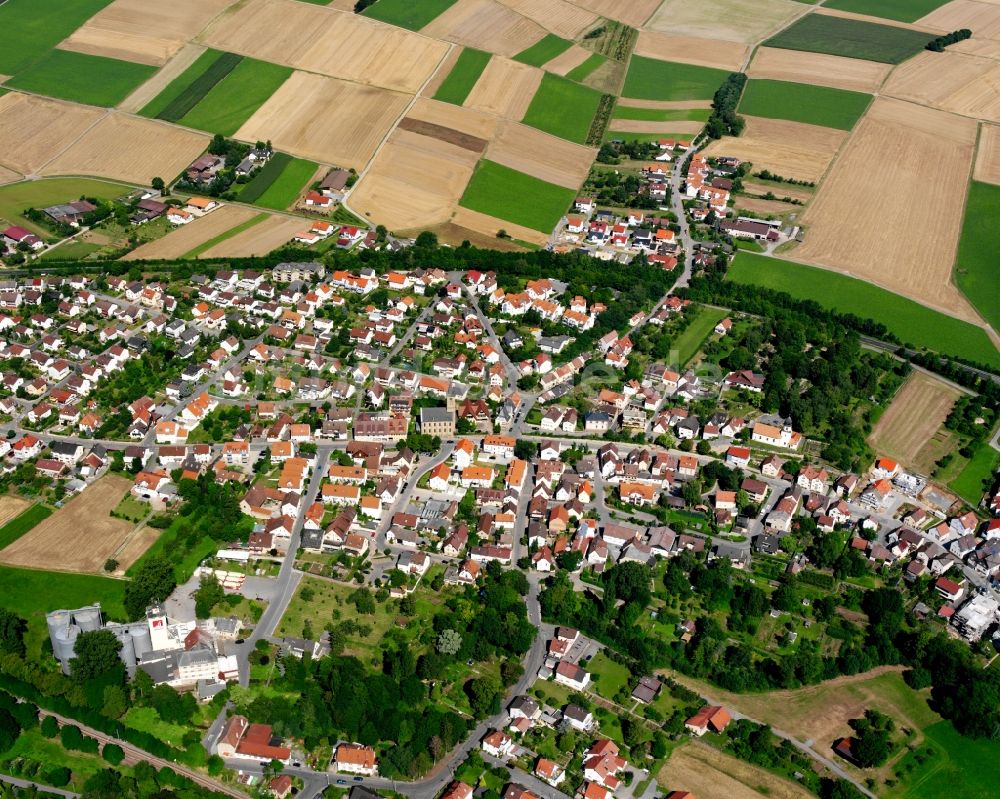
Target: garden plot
820	69
486	25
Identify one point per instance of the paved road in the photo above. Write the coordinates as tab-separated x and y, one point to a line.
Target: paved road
37	785
676	204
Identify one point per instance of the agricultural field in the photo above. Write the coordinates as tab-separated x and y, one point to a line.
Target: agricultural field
691	50
505	88
907	429
982	18
543	51
652	79
885	237
55	541
12	506
662	114
976	265
407	14
949	81
30	28
187	89
17	197
187	237
746	21
227	234
236	97
82	78
573	59
710	774
486	25
534	152
166	75
118	148
899	10
143	32
587	68
790	149
279	186
563	108
801	102
464	73
568	20
987	167
631	12
853	74
912	322
852	38
258	239
21	521
325	120
502	192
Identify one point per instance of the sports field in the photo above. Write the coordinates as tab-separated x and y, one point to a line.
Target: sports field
801	102
563	108
280	187
976	265
820	33
463	76
900	10
234	99
16	197
89	79
652	79
30	28
912	322
507	194
190	87
543	50
406	13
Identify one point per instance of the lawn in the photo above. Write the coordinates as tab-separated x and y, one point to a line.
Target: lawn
852	38
71	251
544	50
281	186
32	745
563	108
608	676
800	102
16	197
234	99
30	28
585	69
662	114
960	766
508	194
146	719
406	13
901	10
622	135
687	344
909	320
976	267
82	78
228	234
186	90
20	524
978	474
463	76
653	79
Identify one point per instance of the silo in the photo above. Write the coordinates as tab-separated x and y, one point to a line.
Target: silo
88	619
127	653
57	620
141	643
64	645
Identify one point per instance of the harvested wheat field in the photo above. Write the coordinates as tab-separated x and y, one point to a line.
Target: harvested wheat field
466	120
988	155
988	48
818	69
444	69
746	21
631	12
913	26
505	88
185	238
710	774
631	102
259	239
964	84
78	537
34	130
646	126
692	50
489	225
415	180
8	176
11	506
330	42
906	431
143	32
541	155
982	18
557	16
121	147
485	25
568	60
790	149
898	149
142	96
326	119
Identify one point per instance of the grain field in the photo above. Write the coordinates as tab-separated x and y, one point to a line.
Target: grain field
692	50
964	84
631	12
540	154
982	18
505	88
34	130
557	16
818	69
260	239
486	25
988	155
746	21
489	225
185	238
710	774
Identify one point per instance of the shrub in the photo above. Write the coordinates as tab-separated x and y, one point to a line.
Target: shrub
113	753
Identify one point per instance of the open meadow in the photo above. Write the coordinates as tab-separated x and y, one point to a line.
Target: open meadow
745	21
407	14
187	88
236	97
802	102
486	25
976	270
820	69
852	38
900	10
544	50
278	187
885	236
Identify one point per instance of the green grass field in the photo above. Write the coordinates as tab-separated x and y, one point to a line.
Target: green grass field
652	79
207	245
82	78
508	194
977	475
406	13
975	266
901	10
544	50
688	343
662	114
16	197
800	102
463	76
622	135
609	677
234	99
186	90
584	70
285	187
817	33
30	28
146	719
965	767
20	524
72	251
563	108
910	321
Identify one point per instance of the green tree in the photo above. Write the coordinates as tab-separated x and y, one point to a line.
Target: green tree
113	753
9	730
12	630
153	582
208	594
484	695
96	655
